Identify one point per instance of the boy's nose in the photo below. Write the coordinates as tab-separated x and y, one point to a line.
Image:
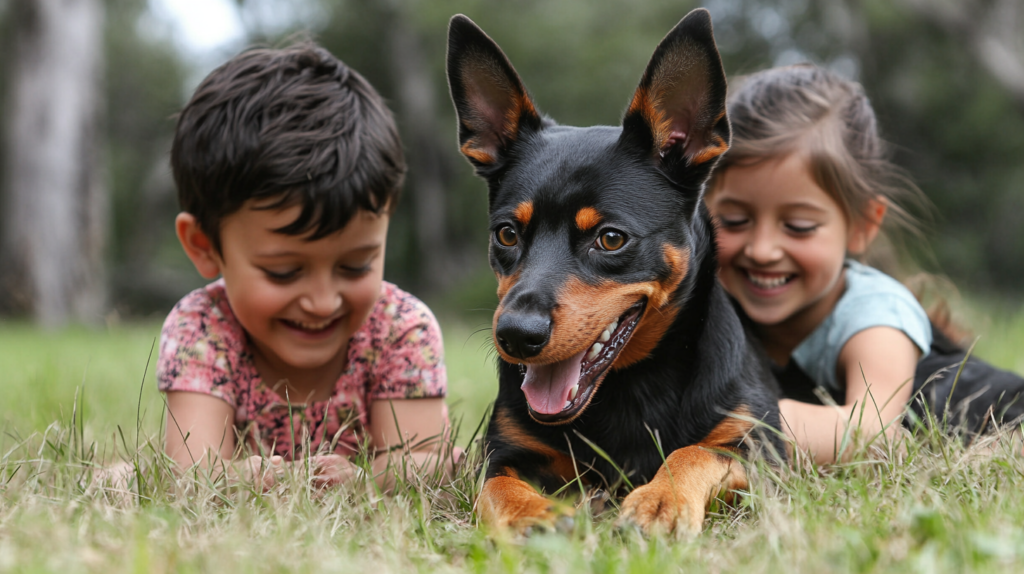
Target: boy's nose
322	300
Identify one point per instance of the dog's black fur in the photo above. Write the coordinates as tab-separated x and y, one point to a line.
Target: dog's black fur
679	364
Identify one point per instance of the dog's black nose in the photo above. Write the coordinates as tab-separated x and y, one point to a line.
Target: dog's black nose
523	335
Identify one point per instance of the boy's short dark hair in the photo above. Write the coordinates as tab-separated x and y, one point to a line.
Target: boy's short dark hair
295	126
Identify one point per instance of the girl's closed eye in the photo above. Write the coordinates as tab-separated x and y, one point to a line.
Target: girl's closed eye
801	226
732	221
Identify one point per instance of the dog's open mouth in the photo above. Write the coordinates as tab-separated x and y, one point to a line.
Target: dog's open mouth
558	392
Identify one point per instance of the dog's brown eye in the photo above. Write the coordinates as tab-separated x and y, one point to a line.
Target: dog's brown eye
507	236
612	240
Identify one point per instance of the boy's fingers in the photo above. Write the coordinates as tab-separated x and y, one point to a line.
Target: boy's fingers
332	469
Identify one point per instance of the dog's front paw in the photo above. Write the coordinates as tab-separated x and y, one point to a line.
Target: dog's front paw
510	504
658	508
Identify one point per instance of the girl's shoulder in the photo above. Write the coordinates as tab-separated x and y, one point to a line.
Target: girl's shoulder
874	299
864	282
871	299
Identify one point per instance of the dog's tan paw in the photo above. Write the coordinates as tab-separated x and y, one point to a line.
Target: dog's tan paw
508	504
656	508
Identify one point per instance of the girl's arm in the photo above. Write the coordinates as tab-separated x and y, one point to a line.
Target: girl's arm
878	365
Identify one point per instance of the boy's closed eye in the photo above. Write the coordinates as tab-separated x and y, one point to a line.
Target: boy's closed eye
287	275
280	275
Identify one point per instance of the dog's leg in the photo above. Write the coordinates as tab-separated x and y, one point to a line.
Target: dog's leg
506	502
678	497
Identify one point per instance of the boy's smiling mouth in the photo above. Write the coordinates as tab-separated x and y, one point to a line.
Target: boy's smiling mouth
311	328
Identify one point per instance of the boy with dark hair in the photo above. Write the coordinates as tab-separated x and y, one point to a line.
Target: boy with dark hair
288	166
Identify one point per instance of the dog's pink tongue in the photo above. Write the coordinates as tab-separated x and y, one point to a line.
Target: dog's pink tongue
547	386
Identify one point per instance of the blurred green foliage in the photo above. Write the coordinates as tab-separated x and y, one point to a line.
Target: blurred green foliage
957	130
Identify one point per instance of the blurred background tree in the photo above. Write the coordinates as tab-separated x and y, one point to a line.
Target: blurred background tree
946	78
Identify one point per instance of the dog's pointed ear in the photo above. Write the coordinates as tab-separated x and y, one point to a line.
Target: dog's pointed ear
677	114
493	108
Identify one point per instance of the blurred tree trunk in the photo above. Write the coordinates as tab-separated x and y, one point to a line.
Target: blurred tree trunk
990	29
414	89
56	203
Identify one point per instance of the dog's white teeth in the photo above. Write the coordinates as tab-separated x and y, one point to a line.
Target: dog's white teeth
605	335
612	326
567	405
574	391
594	351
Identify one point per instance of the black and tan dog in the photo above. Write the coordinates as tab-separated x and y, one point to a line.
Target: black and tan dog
611	325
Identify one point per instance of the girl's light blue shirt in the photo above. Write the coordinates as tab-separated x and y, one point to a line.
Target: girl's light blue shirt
871	299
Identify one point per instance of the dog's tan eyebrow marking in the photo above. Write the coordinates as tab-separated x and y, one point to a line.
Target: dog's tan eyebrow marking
587	218
523	212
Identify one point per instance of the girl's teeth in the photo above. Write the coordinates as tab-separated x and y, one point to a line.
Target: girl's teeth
574	391
768	282
594	351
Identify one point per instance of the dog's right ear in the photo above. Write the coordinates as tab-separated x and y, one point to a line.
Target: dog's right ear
493	108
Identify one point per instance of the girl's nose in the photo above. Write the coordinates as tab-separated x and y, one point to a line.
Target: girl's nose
763	247
323	299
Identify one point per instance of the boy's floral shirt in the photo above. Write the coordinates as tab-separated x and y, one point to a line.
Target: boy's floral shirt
396	354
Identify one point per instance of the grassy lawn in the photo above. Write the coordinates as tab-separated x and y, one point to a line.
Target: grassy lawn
928	504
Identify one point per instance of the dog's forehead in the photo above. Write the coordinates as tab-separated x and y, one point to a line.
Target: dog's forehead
566	167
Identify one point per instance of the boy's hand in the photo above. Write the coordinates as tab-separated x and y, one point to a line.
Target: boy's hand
263	470
333	469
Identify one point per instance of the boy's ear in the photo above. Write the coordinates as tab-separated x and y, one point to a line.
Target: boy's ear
197	246
493	108
863	232
677	114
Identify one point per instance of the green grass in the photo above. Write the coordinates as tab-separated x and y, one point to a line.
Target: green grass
931	505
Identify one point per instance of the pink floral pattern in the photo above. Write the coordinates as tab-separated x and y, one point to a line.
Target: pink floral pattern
396	354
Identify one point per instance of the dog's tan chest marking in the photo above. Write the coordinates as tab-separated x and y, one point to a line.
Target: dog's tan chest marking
731	430
559	464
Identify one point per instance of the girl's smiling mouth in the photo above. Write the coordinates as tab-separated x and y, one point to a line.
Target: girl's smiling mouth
768	281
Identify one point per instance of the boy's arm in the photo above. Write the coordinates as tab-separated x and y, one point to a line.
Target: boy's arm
200	428
409	436
408	433
878	365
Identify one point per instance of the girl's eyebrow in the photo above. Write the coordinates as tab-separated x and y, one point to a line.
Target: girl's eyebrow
806	205
790	205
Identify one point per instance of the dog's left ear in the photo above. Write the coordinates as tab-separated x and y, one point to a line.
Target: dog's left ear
677	114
